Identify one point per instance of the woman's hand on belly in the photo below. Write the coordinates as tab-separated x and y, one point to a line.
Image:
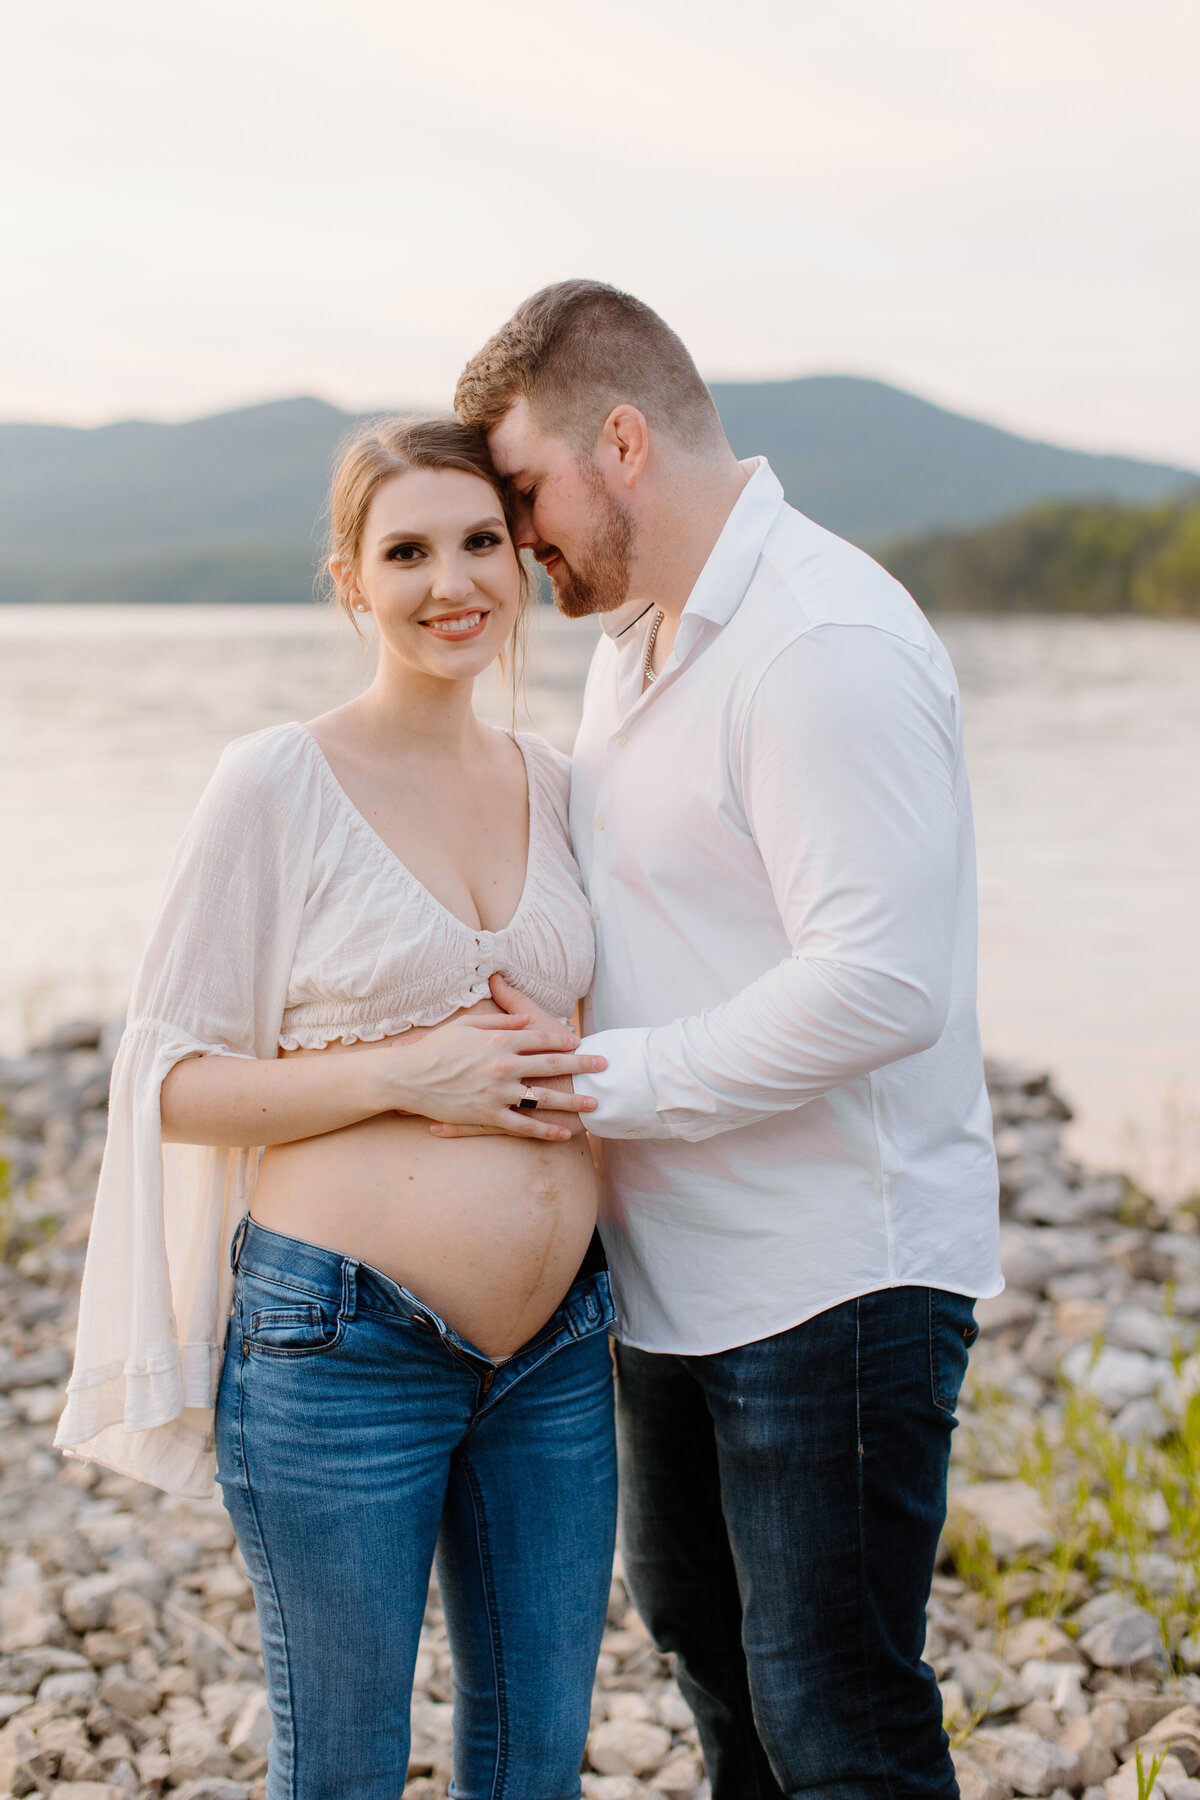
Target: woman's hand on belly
473	1070
517	1007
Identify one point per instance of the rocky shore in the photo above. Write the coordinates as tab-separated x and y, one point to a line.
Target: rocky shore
1064	1627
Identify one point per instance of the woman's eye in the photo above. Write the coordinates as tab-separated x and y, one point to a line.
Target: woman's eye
404	553
483	540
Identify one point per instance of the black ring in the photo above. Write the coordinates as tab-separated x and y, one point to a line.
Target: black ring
527	1103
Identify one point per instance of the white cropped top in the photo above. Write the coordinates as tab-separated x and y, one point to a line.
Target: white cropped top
287	922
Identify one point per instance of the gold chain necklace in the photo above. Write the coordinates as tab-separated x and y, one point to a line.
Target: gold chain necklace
648	674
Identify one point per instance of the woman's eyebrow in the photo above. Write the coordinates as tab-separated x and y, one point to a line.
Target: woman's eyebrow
421	537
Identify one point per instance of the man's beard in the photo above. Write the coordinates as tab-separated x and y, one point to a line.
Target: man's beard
599	582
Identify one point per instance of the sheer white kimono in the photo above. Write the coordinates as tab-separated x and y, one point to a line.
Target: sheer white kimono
286	920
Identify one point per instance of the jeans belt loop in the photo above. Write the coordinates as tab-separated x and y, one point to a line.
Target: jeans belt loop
239	1236
349	1287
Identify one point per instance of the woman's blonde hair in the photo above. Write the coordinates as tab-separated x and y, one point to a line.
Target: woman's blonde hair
386	447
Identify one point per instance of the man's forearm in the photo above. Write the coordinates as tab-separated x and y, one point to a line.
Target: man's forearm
803	1029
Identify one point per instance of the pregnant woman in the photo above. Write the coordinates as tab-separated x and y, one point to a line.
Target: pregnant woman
416	1352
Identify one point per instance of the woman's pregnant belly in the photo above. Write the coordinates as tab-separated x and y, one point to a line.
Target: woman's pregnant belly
488	1231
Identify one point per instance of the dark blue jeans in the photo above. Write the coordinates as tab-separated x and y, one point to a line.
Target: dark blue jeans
781	1505
356	1431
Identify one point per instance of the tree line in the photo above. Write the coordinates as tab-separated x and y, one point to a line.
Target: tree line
1062	557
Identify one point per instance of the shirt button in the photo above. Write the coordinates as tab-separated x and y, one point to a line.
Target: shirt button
622	737
600	822
633	1134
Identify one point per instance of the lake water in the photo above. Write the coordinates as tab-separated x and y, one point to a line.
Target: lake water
1084	746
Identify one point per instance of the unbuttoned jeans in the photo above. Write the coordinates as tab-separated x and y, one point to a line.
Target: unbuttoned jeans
354	1427
781	1506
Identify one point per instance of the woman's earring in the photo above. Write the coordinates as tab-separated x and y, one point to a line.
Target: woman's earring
359	607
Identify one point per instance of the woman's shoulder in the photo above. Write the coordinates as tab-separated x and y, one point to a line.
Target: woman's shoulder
267	758
551	765
269	771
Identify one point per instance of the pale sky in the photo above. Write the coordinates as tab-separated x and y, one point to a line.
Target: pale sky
207	204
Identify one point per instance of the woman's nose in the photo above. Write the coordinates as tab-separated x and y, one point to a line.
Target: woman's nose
452	580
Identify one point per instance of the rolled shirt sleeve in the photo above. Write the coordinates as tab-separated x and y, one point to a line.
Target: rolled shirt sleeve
844	767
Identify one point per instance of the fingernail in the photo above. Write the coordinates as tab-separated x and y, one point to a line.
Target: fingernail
596	1064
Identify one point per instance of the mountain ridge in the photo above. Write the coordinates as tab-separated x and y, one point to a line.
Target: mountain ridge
98	512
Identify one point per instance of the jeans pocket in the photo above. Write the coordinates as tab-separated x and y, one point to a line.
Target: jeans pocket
952	1331
300	1330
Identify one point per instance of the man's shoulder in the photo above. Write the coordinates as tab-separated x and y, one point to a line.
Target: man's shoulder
813	577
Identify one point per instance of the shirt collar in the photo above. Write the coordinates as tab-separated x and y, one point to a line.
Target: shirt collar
722	582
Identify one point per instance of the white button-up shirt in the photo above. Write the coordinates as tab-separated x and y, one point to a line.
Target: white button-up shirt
776	838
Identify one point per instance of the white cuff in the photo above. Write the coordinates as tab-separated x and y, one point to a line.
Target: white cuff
627	1106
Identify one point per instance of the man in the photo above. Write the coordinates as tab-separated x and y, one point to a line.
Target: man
770	808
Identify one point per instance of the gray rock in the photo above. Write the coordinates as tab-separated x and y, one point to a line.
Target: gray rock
40	1368
1108	1604
430	1752
672	1710
72	1034
615	1787
1006	1311
1132	1636
24	1768
1096	1760
679	1776
1162	1575
85	1603
195	1749
1038	1638
1124	1785
1030	1257
1179	1732
975	1782
1137	1328
1027	1763
251	1733
118	1689
73	1684
1048	1200
627	1747
1142	1422
212	1787
1008	1513
1114	1377
988	1685
28	1618
1174	1785
1058	1683
87	1790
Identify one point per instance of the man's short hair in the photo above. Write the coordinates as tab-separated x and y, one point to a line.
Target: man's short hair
574	351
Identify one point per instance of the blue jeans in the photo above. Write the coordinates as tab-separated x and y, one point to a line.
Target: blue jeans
781	1505
355	1433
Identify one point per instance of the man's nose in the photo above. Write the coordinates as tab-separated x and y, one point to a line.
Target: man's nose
524	535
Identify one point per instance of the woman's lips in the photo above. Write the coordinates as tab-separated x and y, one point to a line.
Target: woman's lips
457	628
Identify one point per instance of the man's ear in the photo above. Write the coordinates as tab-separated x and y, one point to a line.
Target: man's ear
625	443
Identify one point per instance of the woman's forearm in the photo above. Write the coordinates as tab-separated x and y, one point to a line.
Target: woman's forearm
238	1100
469	1070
